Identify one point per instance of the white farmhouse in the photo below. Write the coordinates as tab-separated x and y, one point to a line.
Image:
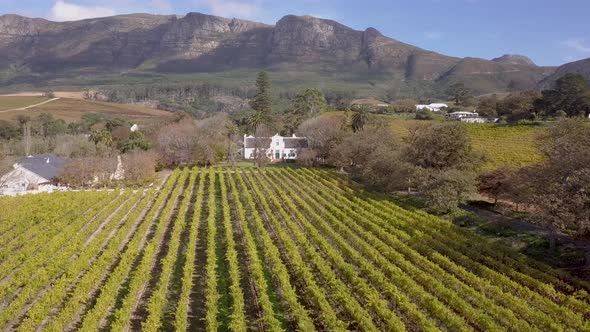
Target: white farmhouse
32	174
434	107
463	115
275	148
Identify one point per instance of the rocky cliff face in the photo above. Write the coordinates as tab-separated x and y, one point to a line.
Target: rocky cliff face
204	43
514	59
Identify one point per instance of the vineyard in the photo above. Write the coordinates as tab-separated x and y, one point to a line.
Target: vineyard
505	146
270	249
510	146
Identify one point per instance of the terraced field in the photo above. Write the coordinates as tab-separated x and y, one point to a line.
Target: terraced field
263	249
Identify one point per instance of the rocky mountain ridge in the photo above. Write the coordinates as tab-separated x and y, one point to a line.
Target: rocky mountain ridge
205	43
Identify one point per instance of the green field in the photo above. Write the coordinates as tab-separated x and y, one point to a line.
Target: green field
502	145
9	103
269	249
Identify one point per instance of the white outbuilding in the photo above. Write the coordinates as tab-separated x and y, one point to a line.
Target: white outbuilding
32	174
433	107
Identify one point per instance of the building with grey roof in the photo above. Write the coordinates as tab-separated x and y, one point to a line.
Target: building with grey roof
32	173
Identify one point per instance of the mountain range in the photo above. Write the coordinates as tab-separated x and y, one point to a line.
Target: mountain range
32	49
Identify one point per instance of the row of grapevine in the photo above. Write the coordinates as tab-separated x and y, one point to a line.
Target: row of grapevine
188	270
322	264
41	270
25	214
331	226
45	245
157	301
78	287
271	322
302	270
238	317
298	312
211	267
501	295
138	278
406	272
33	224
270	249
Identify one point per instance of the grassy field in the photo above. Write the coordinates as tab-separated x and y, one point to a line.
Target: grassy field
502	145
72	110
9	103
268	249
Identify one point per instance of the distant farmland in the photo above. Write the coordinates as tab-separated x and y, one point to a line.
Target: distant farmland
13	102
266	250
72	110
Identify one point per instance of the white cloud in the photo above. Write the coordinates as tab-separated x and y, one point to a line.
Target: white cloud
576	45
64	11
240	9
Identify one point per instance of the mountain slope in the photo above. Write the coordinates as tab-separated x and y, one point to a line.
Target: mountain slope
31	49
582	67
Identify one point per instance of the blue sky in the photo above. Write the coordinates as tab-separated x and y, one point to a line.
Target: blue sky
551	32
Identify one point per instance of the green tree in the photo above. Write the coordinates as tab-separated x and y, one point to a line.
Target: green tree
111	124
101	136
571	95
261	104
561	184
8	130
444	164
136	141
487	106
262	101
51	126
459	93
309	101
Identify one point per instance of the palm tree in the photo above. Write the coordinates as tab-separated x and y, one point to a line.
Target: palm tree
359	118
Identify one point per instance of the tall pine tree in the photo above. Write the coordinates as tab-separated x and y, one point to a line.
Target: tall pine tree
261	104
262	101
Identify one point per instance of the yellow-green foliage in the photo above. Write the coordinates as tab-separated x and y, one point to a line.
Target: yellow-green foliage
505	145
502	145
290	249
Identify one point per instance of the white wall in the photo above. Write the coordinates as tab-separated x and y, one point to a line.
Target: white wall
19	179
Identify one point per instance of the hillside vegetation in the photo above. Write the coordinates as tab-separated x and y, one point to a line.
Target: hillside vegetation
266	249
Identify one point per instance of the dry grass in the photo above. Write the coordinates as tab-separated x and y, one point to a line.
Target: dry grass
72	110
12	102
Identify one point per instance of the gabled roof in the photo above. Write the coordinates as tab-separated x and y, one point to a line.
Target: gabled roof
46	166
263	142
295	142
